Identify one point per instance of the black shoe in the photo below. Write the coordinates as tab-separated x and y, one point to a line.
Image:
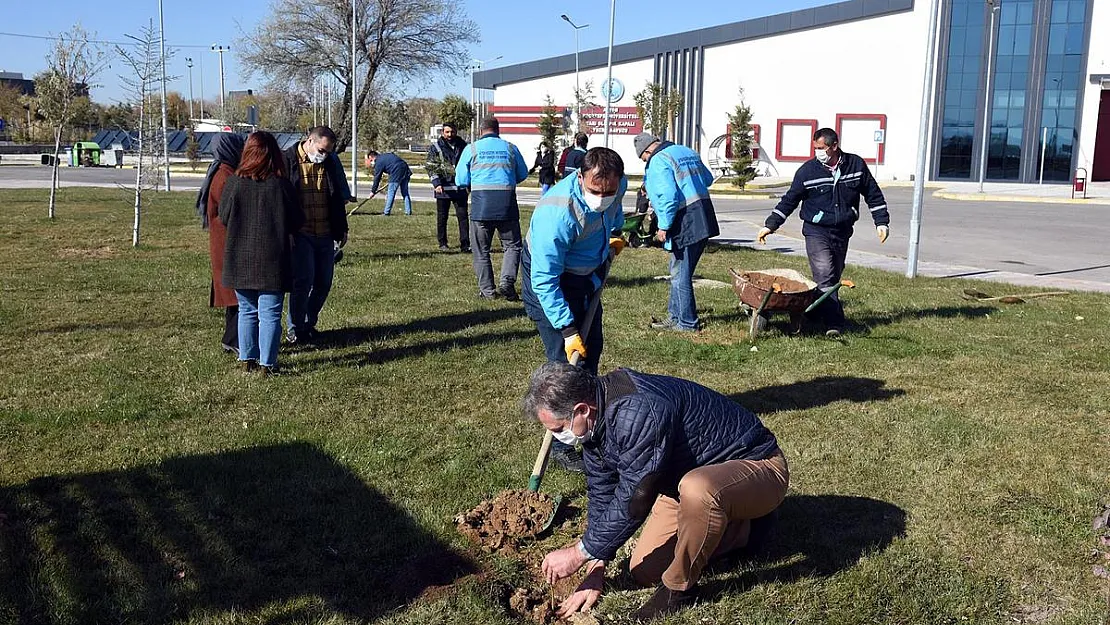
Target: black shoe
508	292
465	249
664	601
568	458
833	333
310	335
761	534
231	349
489	296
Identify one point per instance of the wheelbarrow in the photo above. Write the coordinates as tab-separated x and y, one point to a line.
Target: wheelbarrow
765	292
640	228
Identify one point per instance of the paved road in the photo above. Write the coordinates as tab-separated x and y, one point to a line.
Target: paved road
989	239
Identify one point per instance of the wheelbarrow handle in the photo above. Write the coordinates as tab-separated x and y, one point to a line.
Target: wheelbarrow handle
827	294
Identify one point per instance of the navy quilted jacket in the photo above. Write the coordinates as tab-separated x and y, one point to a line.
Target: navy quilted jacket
653	429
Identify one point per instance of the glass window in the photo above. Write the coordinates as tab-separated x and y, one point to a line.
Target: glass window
1077	11
1074	42
1023	36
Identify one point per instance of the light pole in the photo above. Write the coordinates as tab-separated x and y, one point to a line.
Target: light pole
201	68
218	49
354	102
577	93
165	132
922	144
189	64
609	81
475	66
995	7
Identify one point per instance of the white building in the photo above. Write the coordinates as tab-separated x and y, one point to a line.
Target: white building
859	67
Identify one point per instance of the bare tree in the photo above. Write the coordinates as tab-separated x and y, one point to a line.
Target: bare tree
72	64
144	62
396	39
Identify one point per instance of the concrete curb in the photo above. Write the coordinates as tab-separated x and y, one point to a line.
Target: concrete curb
988	197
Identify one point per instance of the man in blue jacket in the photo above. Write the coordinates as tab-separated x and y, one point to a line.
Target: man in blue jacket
572	157
677	183
565	260
706	470
492	167
829	187
399	175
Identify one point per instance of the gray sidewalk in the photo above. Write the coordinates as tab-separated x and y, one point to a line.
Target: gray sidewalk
740	232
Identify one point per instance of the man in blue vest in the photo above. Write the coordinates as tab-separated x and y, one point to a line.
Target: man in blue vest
492	167
677	184
565	261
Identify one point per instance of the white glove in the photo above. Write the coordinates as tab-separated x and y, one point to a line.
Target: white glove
883	232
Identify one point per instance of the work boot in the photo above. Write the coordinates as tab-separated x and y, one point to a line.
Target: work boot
664	601
508	292
248	365
569	458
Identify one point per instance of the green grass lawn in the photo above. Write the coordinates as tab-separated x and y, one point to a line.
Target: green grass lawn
946	457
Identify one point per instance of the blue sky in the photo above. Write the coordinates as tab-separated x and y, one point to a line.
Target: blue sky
516	30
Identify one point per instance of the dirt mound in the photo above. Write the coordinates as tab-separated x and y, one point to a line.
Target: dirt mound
533	604
496	523
764	281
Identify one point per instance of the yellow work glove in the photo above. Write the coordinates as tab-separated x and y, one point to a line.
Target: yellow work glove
883	232
616	245
572	344
762	236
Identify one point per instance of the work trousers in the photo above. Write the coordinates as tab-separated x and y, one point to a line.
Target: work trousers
711	516
827	249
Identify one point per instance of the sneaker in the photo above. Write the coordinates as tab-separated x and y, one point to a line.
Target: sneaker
656	324
231	349
665	601
488	296
444	248
833	333
268	372
465	250
569	459
508	292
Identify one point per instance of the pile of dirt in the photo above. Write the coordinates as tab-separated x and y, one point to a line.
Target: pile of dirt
533	604
496	523
764	281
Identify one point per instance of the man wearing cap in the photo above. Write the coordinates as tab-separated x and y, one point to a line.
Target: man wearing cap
829	187
677	184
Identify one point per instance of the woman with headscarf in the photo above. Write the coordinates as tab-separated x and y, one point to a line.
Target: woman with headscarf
228	150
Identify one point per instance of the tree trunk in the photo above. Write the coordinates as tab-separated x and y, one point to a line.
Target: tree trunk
54	171
138	183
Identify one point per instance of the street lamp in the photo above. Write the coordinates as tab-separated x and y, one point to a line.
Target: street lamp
218	49
165	133
577	93
609	80
476	65
189	64
995	6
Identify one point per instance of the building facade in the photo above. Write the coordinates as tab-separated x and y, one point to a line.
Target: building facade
856	66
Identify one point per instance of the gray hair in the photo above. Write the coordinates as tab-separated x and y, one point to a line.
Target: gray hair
557	387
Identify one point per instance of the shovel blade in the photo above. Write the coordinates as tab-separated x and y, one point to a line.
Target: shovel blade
554	512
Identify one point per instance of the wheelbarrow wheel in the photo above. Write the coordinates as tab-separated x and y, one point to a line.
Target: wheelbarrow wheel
758	325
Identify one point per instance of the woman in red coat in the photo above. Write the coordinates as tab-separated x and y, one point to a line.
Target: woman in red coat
228	148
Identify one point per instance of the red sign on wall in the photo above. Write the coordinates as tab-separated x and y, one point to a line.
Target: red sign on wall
623	120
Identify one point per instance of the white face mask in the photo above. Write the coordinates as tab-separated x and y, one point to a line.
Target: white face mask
567	436
822	155
317	157
598	203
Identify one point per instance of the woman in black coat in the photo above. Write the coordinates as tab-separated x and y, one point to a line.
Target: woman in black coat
261	210
545	162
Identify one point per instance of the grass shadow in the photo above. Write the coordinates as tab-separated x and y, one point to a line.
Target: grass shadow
860	324
442	324
390	354
232	531
815	393
816	536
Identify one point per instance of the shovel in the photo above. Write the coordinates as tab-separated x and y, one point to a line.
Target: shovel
540	466
352	211
979	296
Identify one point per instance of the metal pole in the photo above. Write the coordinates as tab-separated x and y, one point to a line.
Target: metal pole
189	64
165	130
1044	146
201	68
315	119
609	80
987	99
577	94
354	101
922	142
220	50
331	92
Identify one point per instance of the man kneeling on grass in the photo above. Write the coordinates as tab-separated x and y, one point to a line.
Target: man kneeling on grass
704	467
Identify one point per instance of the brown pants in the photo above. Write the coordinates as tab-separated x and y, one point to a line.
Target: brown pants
711	517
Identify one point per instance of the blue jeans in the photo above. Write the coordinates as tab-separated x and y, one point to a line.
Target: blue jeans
827	249
391	193
313	269
259	325
682	307
544	187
